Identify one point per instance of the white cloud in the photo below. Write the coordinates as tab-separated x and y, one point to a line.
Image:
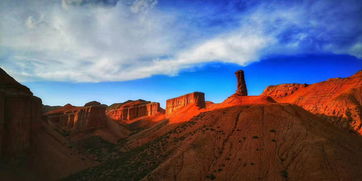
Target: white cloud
82	43
142	6
66	41
356	49
241	47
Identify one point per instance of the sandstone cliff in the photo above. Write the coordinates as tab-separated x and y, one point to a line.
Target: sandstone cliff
20	113
339	100
195	98
131	110
74	119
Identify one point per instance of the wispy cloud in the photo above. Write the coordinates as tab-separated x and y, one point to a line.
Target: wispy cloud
92	41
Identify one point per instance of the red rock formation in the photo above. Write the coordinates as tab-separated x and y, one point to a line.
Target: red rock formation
131	110
197	98
71	118
339	100
236	100
241	96
253	138
282	90
241	88
258	142
92	103
266	142
20	112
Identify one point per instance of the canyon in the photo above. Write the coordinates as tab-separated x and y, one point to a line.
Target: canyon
289	132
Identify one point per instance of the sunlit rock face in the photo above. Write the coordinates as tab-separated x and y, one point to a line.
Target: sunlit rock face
338	100
20	113
75	119
130	110
282	90
196	98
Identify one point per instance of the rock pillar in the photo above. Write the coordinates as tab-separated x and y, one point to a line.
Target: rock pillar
241	83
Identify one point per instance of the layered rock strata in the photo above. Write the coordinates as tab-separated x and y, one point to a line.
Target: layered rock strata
20	112
71	118
282	90
130	110
196	98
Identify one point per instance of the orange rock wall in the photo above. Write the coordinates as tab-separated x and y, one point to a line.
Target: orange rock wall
79	118
283	90
136	110
339	100
197	98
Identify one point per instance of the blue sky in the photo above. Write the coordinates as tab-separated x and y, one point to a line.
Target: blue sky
111	51
215	79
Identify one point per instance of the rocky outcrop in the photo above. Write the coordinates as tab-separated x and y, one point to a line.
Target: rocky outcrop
282	90
92	103
236	100
130	110
241	96
20	113
241	85
196	98
338	100
75	119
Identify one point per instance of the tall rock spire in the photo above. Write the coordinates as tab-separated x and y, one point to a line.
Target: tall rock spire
241	83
